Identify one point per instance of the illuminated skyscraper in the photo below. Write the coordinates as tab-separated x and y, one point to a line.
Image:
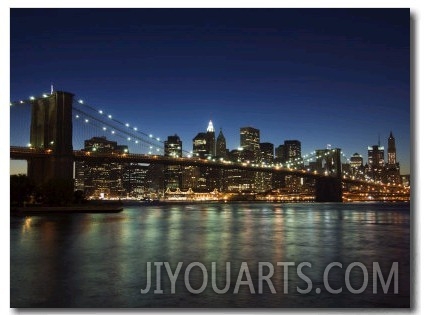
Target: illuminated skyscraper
199	145
267	152
210	140
357	166
376	162
356	161
292	150
173	173
250	140
97	179
391	150
267	157
392	167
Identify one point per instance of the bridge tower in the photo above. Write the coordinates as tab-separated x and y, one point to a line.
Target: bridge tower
329	189
51	129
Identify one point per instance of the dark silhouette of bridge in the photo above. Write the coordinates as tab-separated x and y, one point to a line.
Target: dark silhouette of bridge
51	156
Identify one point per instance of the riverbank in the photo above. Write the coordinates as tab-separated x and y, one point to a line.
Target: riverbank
80	208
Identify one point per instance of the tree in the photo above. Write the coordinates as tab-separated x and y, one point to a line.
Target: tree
58	192
21	189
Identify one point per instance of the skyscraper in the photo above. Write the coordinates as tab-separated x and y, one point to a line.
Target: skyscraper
376	162
357	166
391	150
356	161
221	145
173	173
292	150
210	140
392	167
250	140
267	157
100	179
199	145
267	152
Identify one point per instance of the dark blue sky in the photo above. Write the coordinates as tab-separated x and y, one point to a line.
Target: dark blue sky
322	76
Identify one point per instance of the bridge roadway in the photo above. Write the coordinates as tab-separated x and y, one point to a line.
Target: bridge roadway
25	153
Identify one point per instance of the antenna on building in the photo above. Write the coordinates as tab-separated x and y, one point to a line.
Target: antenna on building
378	139
51	88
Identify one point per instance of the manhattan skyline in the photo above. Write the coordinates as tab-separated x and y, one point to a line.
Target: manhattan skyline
321	76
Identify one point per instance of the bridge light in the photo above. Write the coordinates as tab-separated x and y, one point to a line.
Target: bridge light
104	128
158	139
150	136
125	150
129	138
127	125
77	116
81	101
113	131
109	116
32	98
86	120
136	141
100	112
29	145
157	150
150	152
21	102
45	95
135	128
151	147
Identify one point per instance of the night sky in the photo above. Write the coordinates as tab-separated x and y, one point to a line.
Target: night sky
321	76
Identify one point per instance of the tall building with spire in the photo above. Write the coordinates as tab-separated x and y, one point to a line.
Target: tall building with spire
210	139
391	150
221	145
392	166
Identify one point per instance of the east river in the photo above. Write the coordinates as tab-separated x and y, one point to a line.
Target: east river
101	260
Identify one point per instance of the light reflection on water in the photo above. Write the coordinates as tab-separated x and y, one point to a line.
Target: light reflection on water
99	260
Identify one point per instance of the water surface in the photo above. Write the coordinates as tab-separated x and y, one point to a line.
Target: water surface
99	260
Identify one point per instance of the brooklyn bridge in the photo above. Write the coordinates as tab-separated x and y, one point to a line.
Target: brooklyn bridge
56	116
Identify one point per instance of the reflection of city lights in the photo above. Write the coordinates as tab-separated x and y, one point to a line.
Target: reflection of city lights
27	224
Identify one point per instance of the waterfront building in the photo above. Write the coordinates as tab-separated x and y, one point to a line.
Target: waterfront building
97	179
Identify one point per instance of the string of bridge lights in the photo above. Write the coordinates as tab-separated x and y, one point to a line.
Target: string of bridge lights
115	131
127	125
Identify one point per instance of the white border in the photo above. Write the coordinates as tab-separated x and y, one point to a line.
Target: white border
417	217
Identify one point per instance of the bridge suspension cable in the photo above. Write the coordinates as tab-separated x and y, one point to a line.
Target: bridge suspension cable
110	129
